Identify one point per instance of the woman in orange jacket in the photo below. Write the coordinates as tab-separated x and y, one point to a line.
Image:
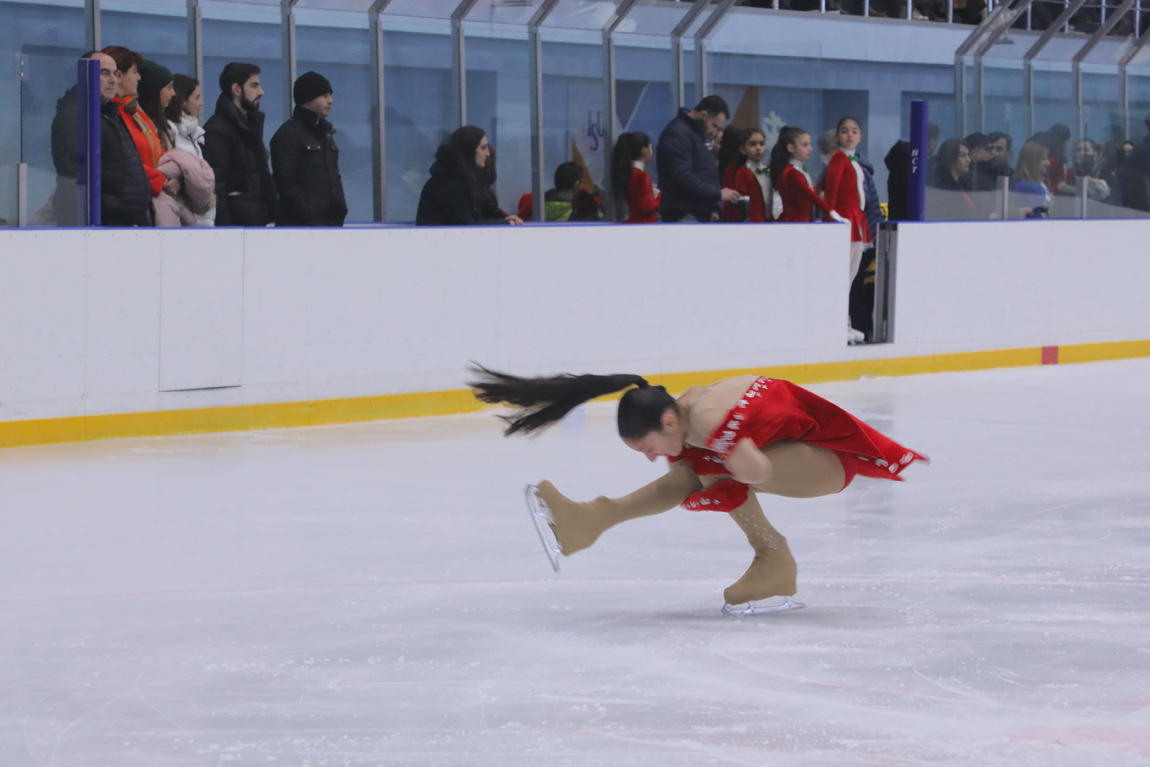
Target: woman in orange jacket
140	126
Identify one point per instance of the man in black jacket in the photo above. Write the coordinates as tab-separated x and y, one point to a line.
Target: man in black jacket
234	147
305	159
688	173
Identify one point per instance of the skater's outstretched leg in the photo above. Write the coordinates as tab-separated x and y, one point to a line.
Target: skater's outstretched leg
578	525
773	571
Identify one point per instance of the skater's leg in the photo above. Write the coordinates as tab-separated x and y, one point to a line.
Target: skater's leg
578	525
773	571
799	470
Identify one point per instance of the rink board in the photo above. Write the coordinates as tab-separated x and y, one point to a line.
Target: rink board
127	333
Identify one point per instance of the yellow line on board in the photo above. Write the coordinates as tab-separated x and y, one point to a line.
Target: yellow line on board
280	415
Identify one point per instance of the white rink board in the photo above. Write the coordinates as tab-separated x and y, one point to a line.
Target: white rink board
108	321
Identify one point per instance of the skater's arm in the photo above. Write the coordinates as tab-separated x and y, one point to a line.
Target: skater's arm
748	464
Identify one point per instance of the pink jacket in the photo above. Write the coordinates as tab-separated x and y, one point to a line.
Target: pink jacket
196	193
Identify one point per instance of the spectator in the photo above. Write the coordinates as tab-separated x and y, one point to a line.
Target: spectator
636	198
305	159
1029	180
933	133
715	143
846	195
557	200
792	182
828	144
728	150
65	134
1057	139
197	184
1088	166
752	147
140	126
155	91
125	195
459	191
234	147
687	168
956	204
1001	149
1134	175
584	206
897	162
982	178
182	114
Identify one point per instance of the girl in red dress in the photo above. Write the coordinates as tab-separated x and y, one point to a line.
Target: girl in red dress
792	182
739	176
844	194
725	442
629	179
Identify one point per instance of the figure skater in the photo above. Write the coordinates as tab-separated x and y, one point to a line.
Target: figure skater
725	442
740	176
845	194
792	182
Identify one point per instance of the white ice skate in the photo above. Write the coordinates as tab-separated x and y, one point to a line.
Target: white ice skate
757	608
542	519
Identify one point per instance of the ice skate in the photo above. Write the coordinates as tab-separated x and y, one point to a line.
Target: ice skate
758	608
773	571
541	517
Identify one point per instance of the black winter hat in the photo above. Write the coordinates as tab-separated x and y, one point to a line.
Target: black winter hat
310	85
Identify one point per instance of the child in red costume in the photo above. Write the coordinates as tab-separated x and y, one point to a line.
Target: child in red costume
792	182
844	193
630	181
740	177
726	441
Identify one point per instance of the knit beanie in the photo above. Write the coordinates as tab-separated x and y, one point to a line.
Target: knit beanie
153	79
310	85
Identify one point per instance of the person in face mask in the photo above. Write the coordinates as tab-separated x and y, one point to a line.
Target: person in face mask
1087	165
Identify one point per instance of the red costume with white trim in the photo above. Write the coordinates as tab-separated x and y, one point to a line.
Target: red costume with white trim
642	203
742	180
844	193
798	197
772	410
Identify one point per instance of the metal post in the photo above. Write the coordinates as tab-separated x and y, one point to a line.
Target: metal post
287	16
1071	8
22	194
1080	190
866	8
995	26
960	70
379	119
885	267
1124	79
678	94
721	8
535	66
1083	52
610	105
1004	197
92	24
196	43
459	62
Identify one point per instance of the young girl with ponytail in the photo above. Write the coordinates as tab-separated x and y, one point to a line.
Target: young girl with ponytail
725	442
629	179
792	182
738	175
845	194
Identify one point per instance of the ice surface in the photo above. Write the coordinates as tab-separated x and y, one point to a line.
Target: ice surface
375	594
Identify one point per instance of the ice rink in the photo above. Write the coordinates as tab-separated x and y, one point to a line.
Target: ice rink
375	594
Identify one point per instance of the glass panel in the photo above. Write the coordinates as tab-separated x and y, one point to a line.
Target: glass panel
38	53
156	29
338	46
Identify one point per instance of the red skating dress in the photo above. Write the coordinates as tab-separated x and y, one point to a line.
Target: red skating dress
844	193
772	410
741	179
642	203
798	197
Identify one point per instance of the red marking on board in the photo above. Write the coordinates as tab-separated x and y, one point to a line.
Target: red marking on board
1049	355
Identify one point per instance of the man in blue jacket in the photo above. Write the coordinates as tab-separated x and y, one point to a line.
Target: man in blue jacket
688	174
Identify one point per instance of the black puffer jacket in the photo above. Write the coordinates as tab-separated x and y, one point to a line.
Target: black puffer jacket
688	173
65	134
305	164
125	196
445	200
234	147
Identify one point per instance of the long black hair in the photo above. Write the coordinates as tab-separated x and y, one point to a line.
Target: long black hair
545	400
780	155
185	86
457	156
733	140
628	149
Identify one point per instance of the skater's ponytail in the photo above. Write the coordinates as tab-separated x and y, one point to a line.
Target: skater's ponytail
545	400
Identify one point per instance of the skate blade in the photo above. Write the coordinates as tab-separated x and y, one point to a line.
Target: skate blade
757	608
541	518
